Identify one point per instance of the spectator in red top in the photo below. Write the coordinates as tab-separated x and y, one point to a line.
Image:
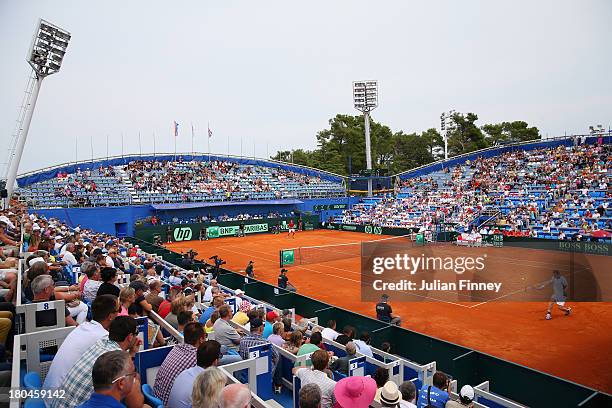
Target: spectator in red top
166	305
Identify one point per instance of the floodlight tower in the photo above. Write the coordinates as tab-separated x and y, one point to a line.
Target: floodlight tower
365	98
446	126
45	56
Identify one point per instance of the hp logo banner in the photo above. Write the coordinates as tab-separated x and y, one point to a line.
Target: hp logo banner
182	234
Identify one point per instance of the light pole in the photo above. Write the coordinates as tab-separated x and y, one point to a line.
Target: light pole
365	99
446	125
45	56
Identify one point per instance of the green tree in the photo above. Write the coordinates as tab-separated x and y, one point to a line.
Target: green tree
341	147
434	142
511	132
282	155
465	136
410	151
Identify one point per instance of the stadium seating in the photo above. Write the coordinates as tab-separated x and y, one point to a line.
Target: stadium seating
28	345
553	193
141	182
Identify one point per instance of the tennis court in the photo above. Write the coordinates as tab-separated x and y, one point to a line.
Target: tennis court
574	347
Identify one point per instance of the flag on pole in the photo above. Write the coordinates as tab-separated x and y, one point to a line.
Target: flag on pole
209	132
176	126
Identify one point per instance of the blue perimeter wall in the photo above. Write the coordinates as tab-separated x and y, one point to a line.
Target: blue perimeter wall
104	219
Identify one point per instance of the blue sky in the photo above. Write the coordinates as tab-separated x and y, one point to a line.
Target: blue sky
271	74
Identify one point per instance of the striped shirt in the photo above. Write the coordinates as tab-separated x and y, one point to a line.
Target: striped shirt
182	357
327	385
78	384
254	340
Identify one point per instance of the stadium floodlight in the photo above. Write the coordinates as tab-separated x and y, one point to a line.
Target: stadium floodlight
45	56
365	99
447	125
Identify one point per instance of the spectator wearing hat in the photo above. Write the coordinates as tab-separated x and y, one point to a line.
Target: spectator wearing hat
271	318
408	390
466	398
355	392
242	317
436	395
384	312
390	395
318	376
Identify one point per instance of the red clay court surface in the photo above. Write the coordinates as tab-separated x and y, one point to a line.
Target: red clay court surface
576	348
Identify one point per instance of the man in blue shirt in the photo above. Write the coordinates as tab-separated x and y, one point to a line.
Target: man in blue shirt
437	394
113	377
217	302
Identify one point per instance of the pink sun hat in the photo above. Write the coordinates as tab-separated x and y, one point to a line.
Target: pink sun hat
355	392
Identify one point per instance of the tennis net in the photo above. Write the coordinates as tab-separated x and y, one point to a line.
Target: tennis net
325	253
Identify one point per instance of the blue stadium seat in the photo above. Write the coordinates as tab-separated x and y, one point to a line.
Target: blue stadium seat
32	381
150	397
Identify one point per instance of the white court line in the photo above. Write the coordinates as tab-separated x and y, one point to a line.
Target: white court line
341	277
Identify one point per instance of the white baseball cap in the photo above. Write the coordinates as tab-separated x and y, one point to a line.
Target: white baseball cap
34	260
467	392
238	292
